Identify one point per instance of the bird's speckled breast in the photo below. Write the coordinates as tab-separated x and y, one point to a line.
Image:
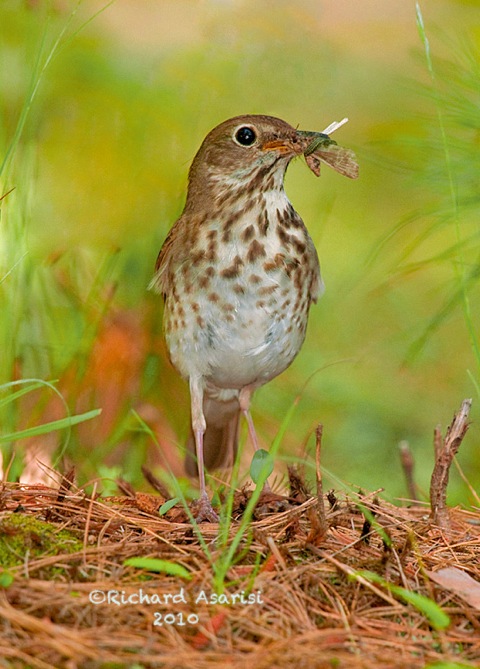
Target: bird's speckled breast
238	329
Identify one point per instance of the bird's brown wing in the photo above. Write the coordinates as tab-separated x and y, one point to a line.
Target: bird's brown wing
316	284
168	254
176	251
159	283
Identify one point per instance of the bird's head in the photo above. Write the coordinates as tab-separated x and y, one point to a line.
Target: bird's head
251	151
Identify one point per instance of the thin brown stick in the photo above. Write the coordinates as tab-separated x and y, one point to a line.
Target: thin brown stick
155	482
408	466
87	523
443	460
320	501
318	516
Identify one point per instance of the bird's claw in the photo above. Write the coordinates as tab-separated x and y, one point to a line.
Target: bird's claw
203	510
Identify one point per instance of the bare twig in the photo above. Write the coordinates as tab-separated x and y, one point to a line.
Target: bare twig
318	516
443	460
66	483
408	465
87	523
155	482
125	488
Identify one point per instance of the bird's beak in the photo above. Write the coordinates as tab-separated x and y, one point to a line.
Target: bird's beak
282	146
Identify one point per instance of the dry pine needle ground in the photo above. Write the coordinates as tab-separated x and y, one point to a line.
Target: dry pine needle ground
309	611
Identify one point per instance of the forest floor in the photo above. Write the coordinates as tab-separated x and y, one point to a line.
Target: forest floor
311	580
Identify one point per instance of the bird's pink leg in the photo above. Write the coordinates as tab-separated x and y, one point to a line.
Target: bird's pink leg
205	510
244	398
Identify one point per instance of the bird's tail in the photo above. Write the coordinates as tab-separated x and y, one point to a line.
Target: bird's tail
220	440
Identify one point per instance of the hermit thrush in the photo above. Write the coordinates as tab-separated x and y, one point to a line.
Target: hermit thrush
239	272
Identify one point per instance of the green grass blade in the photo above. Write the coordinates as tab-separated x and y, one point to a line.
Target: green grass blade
430	609
50	427
19	393
159	566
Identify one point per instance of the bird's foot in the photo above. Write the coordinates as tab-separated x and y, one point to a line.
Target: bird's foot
266	488
203	510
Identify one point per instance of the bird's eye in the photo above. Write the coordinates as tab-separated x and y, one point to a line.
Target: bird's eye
245	136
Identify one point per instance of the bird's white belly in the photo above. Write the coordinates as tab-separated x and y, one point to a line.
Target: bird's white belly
254	348
245	341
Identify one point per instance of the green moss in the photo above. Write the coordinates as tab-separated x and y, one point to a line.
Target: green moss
26	538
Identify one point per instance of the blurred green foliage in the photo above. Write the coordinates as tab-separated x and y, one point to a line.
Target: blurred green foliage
111	125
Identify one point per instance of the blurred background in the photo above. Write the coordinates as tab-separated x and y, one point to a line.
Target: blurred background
102	108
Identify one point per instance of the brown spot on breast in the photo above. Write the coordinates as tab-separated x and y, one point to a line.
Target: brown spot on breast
288	218
248	233
263	222
213	297
254	278
211	254
282	217
255	251
267	290
298	277
279	262
229	223
238	289
258	179
203	282
200	322
195	307
197	257
270	182
291	265
234	270
249	204
210	272
295	221
298	245
284	237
